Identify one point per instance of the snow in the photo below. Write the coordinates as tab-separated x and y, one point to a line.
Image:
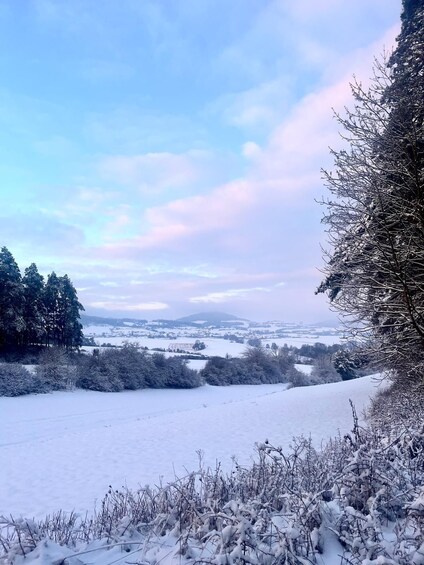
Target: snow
307	369
214	346
64	449
197	364
299	340
151	337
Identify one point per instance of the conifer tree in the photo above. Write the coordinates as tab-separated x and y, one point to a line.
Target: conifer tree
51	298
62	308
70	328
34	311
12	323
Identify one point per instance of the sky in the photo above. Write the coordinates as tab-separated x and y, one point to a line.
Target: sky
166	154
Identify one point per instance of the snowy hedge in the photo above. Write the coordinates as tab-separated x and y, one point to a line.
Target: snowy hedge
15	380
129	368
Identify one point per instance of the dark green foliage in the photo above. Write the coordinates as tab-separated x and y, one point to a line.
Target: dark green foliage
159	376
349	364
263	366
34	313
62	310
179	375
220	371
15	380
12	323
51	296
312	351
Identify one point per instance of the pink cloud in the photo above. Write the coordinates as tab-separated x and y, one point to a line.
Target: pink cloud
265	214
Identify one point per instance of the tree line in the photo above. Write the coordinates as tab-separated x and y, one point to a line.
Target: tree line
35	311
374	274
110	370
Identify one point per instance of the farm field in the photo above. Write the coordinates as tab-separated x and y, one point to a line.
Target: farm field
63	450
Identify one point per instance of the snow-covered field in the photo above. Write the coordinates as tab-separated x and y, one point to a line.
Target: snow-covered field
215	344
63	450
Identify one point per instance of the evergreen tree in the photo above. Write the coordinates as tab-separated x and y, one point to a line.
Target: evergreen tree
34	311
69	326
12	323
62	309
375	275
51	299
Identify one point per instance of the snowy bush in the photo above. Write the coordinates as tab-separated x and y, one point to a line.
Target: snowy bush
298	378
55	369
324	371
131	368
93	374
179	375
15	380
257	366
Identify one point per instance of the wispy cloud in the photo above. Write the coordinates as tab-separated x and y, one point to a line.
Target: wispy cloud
256	109
165	166
129	306
233	293
153	172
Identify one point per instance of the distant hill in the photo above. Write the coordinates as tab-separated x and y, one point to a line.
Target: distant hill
211	318
203	318
87	320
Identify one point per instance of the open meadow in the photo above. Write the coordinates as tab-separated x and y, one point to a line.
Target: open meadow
63	450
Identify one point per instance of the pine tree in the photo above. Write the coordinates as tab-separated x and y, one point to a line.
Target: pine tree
51	299
69	326
12	323
375	273
34	311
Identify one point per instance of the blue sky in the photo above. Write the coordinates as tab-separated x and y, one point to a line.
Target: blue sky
166	154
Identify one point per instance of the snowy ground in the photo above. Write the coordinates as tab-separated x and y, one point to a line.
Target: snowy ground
62	450
214	345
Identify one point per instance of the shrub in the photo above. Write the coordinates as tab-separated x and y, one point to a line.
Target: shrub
15	380
178	374
257	366
55	369
95	373
129	368
324	371
298	378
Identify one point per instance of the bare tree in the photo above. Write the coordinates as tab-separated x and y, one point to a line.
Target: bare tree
374	274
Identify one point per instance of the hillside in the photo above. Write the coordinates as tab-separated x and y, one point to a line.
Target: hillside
211	318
